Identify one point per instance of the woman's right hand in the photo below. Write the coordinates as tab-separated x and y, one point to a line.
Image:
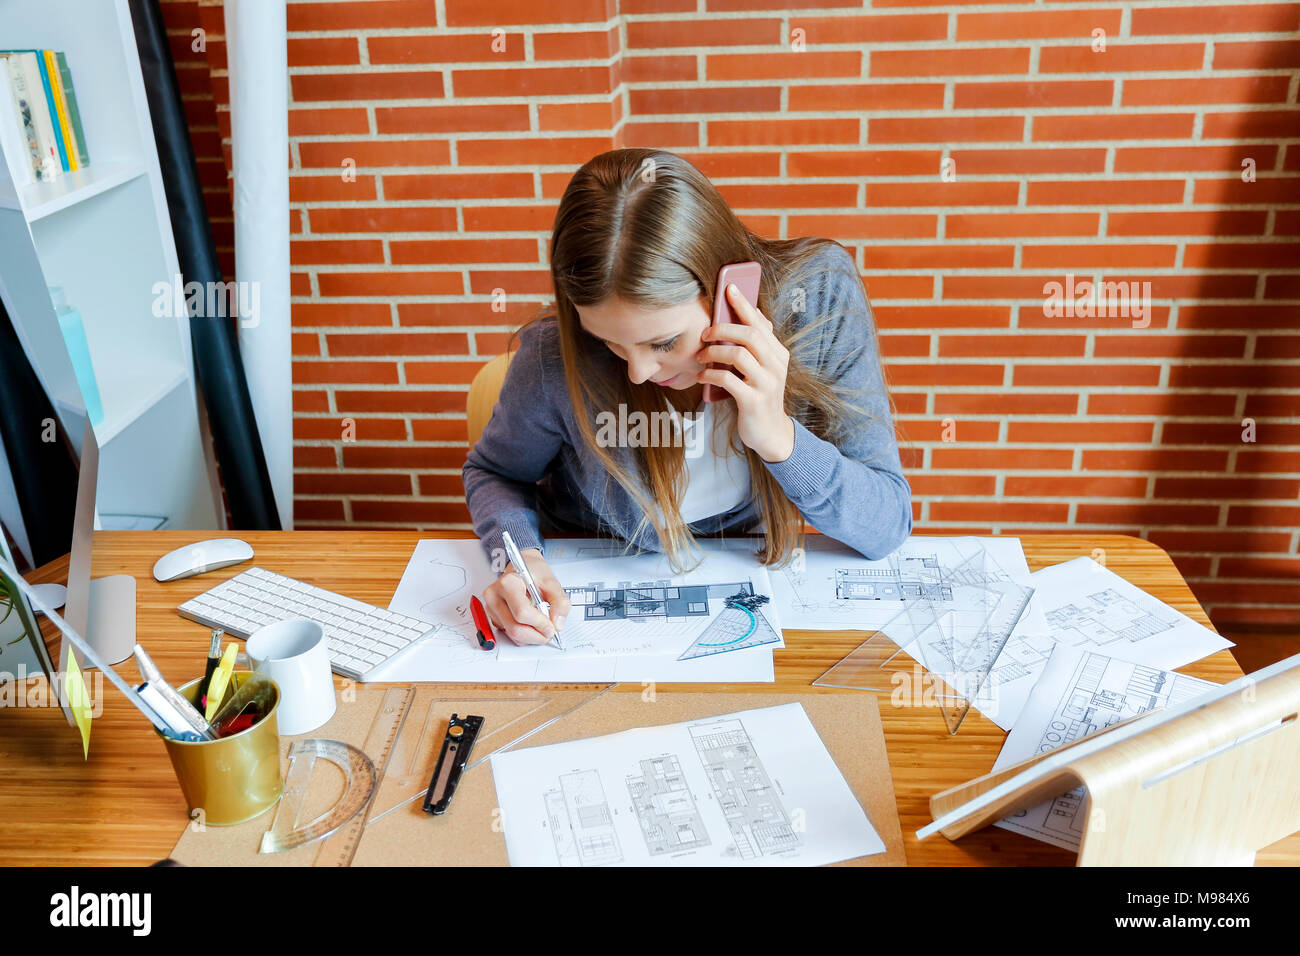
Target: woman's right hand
510	609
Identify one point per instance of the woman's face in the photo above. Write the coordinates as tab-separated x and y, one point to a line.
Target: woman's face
659	346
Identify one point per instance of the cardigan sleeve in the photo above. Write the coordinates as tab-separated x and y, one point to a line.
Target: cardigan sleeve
521	440
853	490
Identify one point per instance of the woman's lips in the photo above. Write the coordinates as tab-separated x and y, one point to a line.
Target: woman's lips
666	381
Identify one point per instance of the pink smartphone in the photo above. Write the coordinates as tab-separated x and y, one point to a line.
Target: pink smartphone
746	275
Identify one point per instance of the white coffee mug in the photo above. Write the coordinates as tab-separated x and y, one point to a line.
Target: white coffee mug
294	654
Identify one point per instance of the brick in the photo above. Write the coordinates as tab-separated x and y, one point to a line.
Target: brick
402	456
446	485
945	129
453	48
1005	403
1202	223
577	116
517	312
367	428
533	81
389	283
1110	127
848	226
494	13
790	196
587	45
345	373
782	132
858	162
1164	404
1027	160
943	316
1075	486
1010	225
512	218
1257	55
712	99
947	374
1005	458
1110	192
1081	432
1256	255
331	188
378	15
1021	94
440	429
383	219
310	87
1121	57
1158	256
375	153
1252	90
1220	18
484	117
1019	25
458	252
362	483
499	185
683	135
1143	345
998	511
317	509
404	399
1064	376
397	343
557	150
335	251
322	51
782	64
1153	459
977	346
659	69
949	62
865	96
338	121
441	373
1148	513
982	256
700	32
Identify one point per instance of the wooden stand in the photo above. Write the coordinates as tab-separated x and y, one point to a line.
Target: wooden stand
1208	782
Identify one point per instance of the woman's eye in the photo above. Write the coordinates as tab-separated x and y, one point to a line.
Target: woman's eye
665	346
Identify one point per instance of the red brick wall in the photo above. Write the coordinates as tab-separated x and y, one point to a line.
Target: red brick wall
1124	163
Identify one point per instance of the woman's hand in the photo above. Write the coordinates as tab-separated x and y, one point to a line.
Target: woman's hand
759	389
510	609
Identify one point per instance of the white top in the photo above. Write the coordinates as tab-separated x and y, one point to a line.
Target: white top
717	477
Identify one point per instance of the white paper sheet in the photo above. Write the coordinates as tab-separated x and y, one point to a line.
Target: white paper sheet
753	788
443	574
1079	693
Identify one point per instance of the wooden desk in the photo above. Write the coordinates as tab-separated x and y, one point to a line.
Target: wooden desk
125	807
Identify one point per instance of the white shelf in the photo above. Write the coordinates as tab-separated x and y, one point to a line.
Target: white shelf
42	199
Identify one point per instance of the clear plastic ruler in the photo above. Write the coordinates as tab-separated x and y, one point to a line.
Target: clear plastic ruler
341	847
286	833
953	621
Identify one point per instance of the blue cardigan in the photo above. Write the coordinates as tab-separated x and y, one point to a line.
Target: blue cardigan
531	461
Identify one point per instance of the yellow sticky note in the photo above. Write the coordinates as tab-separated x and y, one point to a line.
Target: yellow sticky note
79	701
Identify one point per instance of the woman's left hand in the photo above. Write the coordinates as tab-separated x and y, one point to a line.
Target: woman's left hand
759	388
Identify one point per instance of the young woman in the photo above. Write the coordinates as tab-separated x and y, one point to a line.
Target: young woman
803	431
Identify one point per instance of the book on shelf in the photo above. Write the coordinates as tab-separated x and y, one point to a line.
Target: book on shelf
41	116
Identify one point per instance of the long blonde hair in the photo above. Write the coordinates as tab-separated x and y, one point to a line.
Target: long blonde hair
647	227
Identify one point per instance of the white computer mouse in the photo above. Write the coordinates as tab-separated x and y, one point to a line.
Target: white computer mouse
200	557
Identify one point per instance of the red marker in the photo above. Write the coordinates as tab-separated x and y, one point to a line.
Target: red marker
486	639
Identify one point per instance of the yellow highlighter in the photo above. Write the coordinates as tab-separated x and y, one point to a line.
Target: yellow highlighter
220	678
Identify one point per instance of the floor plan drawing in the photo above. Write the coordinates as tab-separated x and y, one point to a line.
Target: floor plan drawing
1081	693
582	825
665	807
749	800
657	600
748	788
1105	617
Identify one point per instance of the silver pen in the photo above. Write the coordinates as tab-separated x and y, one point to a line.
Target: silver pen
158	692
517	559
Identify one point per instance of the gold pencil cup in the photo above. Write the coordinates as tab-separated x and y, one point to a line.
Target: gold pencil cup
236	778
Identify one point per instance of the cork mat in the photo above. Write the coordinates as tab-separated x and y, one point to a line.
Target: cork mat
400	833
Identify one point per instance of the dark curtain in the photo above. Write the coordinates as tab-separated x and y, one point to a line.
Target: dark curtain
220	373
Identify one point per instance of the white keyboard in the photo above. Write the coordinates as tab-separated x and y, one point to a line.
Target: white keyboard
361	636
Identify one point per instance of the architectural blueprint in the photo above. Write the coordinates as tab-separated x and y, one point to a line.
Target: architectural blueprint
632	619
1080	693
756	787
